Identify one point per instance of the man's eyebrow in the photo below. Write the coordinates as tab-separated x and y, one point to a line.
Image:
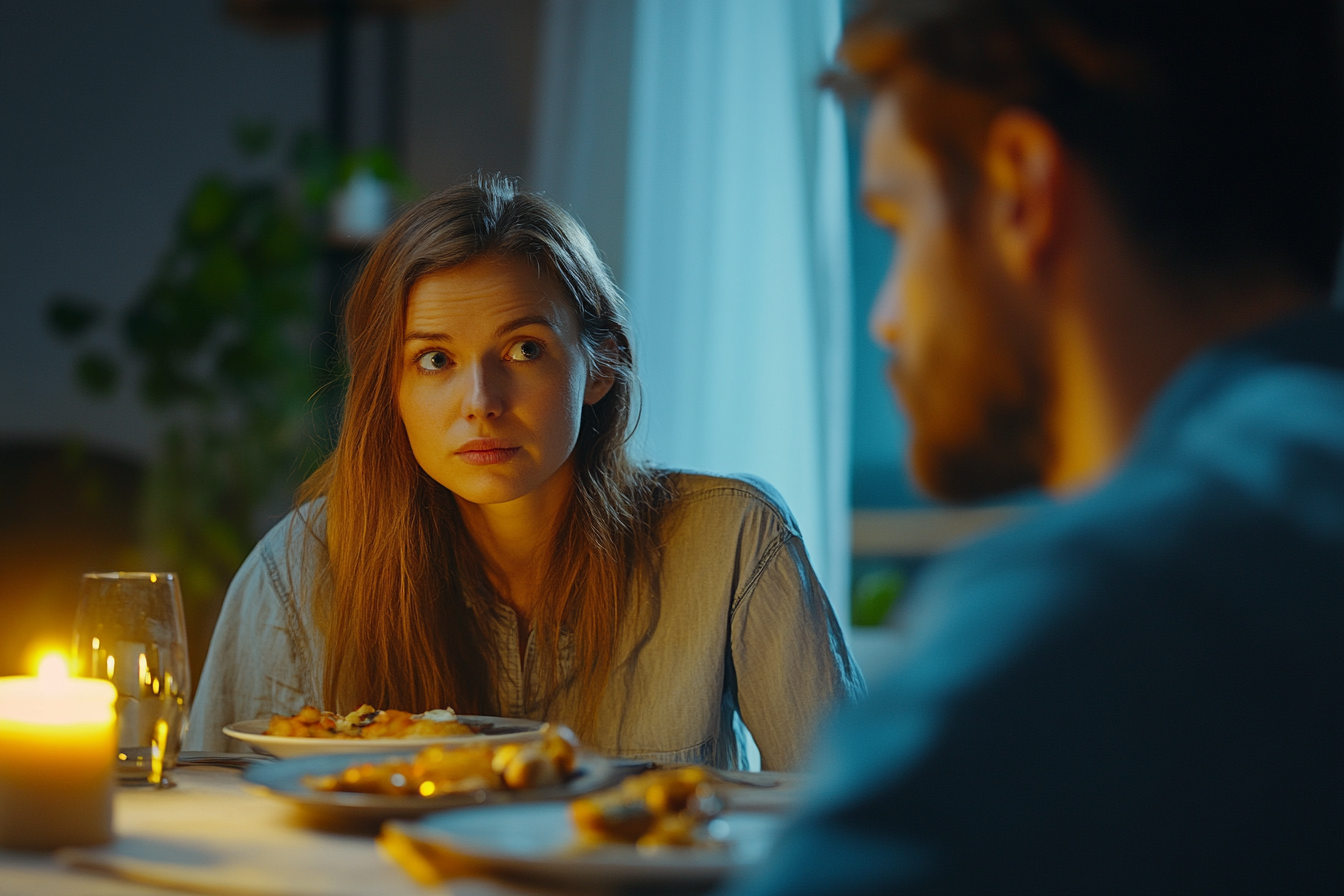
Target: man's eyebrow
530	319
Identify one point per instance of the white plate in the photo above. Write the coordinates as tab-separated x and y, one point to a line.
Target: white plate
494	730
536	841
285	780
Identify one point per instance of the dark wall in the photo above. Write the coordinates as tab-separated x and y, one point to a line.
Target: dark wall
472	73
109	112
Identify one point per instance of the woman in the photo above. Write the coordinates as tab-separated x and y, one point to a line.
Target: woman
480	538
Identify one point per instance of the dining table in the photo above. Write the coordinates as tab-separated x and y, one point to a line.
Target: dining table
212	832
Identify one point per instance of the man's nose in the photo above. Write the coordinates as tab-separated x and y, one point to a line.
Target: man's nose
485	393
884	318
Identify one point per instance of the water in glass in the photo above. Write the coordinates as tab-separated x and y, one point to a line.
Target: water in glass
129	630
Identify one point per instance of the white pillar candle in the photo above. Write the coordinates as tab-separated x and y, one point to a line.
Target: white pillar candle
57	745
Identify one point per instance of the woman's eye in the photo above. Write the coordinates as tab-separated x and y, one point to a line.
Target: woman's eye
527	350
432	361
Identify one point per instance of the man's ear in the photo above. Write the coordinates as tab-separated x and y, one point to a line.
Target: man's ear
1023	180
600	377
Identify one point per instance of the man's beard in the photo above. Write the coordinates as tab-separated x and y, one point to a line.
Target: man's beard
977	406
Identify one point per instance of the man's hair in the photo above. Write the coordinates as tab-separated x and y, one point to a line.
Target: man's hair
1215	128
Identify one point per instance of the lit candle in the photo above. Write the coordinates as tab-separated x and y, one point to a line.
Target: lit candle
57	744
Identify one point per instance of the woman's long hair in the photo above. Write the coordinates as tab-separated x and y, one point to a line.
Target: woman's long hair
397	612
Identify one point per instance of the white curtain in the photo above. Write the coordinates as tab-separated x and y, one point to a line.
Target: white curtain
736	239
581	115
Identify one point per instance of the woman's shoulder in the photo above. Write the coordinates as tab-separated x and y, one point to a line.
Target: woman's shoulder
303	529
704	497
294	549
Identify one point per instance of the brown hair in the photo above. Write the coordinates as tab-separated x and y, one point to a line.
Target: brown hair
404	574
1217	129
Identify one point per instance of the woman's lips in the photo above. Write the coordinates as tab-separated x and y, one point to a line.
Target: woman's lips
483	452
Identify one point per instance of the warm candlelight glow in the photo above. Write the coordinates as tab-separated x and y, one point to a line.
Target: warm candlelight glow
54	698
40	650
53	667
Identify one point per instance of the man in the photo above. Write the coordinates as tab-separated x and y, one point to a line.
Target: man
1118	225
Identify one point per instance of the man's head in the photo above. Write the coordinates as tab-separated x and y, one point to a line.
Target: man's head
1211	133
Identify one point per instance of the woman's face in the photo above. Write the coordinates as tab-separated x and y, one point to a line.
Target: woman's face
493	379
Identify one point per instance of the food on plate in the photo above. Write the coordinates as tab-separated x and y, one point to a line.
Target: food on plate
666	807
436	771
368	723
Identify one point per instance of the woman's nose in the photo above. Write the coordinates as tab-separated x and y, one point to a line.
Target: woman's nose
485	393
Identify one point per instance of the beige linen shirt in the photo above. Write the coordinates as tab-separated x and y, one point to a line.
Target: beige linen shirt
735	640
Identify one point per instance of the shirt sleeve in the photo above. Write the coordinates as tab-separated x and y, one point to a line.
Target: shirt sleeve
789	655
258	662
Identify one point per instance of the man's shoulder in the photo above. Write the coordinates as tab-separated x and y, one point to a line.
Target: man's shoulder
1276	441
1259	418
1170	544
1241	461
1177	516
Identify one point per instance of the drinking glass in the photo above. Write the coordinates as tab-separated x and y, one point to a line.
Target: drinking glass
129	630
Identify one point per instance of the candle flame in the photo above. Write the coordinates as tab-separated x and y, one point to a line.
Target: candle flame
40	648
53	666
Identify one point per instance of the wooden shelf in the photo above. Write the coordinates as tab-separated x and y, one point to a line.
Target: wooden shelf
918	533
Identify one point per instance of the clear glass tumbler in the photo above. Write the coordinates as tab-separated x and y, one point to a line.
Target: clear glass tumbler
129	630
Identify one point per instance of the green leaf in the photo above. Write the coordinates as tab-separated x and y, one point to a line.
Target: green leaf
317	166
875	594
379	162
69	317
221	276
210	207
282	240
97	373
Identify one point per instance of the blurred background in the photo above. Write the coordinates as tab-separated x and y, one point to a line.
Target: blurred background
187	188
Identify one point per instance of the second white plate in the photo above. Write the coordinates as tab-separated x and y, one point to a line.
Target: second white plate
285	780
